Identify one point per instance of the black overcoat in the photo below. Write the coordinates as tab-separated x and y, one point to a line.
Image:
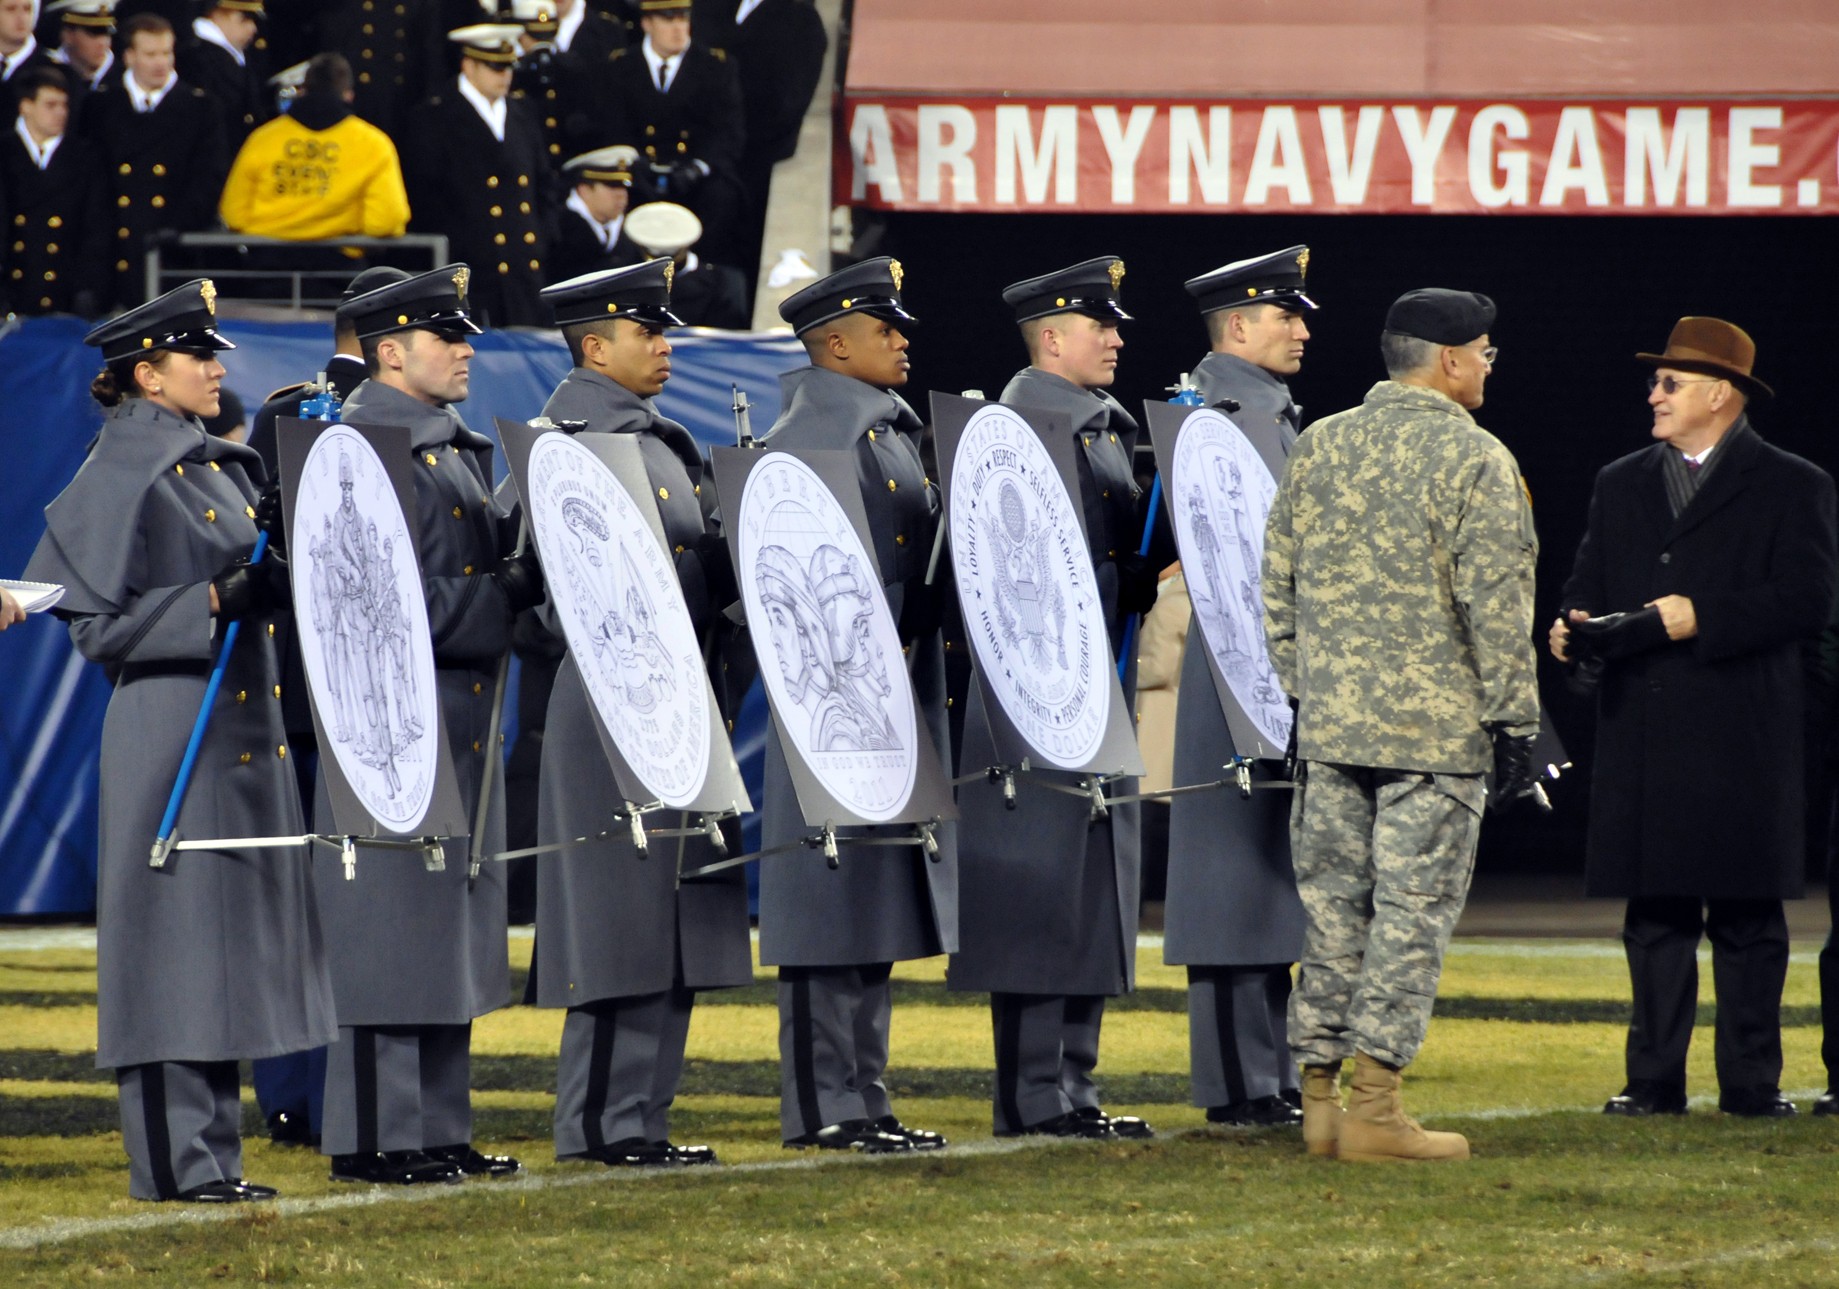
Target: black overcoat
1697	786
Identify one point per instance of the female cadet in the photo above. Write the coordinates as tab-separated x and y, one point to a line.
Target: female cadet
215	956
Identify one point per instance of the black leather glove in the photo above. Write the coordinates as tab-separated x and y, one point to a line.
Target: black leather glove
1514	777
268	517
246	590
520	577
1291	756
1617	635
1136	583
717	571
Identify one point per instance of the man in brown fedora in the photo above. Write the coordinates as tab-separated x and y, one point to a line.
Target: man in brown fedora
1708	562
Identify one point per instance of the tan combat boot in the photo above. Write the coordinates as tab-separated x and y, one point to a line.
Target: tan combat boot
1322	1108
1376	1128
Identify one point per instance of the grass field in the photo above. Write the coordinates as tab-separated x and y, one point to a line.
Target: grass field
1526	1045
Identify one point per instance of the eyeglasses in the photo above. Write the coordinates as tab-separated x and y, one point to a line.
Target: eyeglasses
1671	384
1488	353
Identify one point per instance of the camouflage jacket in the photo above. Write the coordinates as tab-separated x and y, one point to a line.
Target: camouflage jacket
1398	586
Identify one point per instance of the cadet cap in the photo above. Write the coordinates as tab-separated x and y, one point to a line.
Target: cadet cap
1089	288
433	301
1276	278
671	7
89	15
663	227
537	16
638	291
489	42
603	165
185	319
252	7
290	78
1441	316
364	283
871	287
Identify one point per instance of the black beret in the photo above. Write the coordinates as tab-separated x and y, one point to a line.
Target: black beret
1441	316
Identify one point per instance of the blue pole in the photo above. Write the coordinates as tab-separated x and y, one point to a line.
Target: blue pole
163	841
1149	527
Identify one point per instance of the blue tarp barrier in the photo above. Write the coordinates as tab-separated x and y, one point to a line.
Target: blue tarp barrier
52	702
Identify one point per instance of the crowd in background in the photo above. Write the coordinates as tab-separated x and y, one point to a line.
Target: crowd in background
524	131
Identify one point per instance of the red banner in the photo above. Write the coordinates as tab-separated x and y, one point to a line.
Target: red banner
1725	157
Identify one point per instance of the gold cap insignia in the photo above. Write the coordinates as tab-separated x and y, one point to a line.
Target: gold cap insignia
897	273
209	291
1302	263
1117	273
670	273
461	276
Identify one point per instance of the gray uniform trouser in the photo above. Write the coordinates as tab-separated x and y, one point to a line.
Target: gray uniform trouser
833	1045
181	1122
1383	860
1046	1048
621	1061
398	1087
1238	1049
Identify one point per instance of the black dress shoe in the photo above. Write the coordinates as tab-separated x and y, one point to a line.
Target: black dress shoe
1294	1096
636	1152
852	1134
1827	1102
1122	1125
254	1191
472	1163
691	1156
394	1168
290	1128
920	1137
1756	1103
1259	1112
1642	1098
224	1192
1071	1124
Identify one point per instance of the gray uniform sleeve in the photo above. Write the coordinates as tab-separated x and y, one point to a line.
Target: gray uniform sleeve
166	624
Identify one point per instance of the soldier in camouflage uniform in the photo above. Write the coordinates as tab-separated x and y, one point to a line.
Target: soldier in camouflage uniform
1398	585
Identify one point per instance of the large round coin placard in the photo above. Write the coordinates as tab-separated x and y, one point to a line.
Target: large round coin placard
622	610
828	647
1223	493
1026	585
363	627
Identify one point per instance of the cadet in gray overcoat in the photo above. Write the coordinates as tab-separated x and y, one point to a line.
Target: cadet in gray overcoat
835	933
1051	895
418	954
620	941
216	956
1232	915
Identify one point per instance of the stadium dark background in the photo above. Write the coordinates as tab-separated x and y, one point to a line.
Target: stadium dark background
1578	297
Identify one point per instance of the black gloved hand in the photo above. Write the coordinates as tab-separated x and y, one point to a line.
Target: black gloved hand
1514	778
1137	583
520	577
717	570
269	519
1617	635
1291	755
246	590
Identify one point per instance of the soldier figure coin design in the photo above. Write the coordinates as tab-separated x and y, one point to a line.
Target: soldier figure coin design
622	611
1222	496
827	643
1026	585
363	628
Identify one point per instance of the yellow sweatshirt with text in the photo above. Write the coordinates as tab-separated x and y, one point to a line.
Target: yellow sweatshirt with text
303	185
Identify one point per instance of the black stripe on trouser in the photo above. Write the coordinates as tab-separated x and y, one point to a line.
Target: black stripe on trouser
1231	1063
804	1056
1008	1059
364	1086
153	1118
600	1058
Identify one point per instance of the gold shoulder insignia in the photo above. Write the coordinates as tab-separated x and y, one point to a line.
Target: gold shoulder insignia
208	290
720	53
1302	263
461	276
1117	273
897	273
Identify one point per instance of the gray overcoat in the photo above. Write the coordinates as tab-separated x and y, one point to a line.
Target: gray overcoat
411	947
1050	897
609	924
217	956
1232	897
883	903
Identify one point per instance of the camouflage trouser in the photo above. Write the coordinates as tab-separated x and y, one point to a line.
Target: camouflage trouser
1383	860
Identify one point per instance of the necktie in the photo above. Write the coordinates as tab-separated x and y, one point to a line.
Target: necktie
663	75
1692	466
